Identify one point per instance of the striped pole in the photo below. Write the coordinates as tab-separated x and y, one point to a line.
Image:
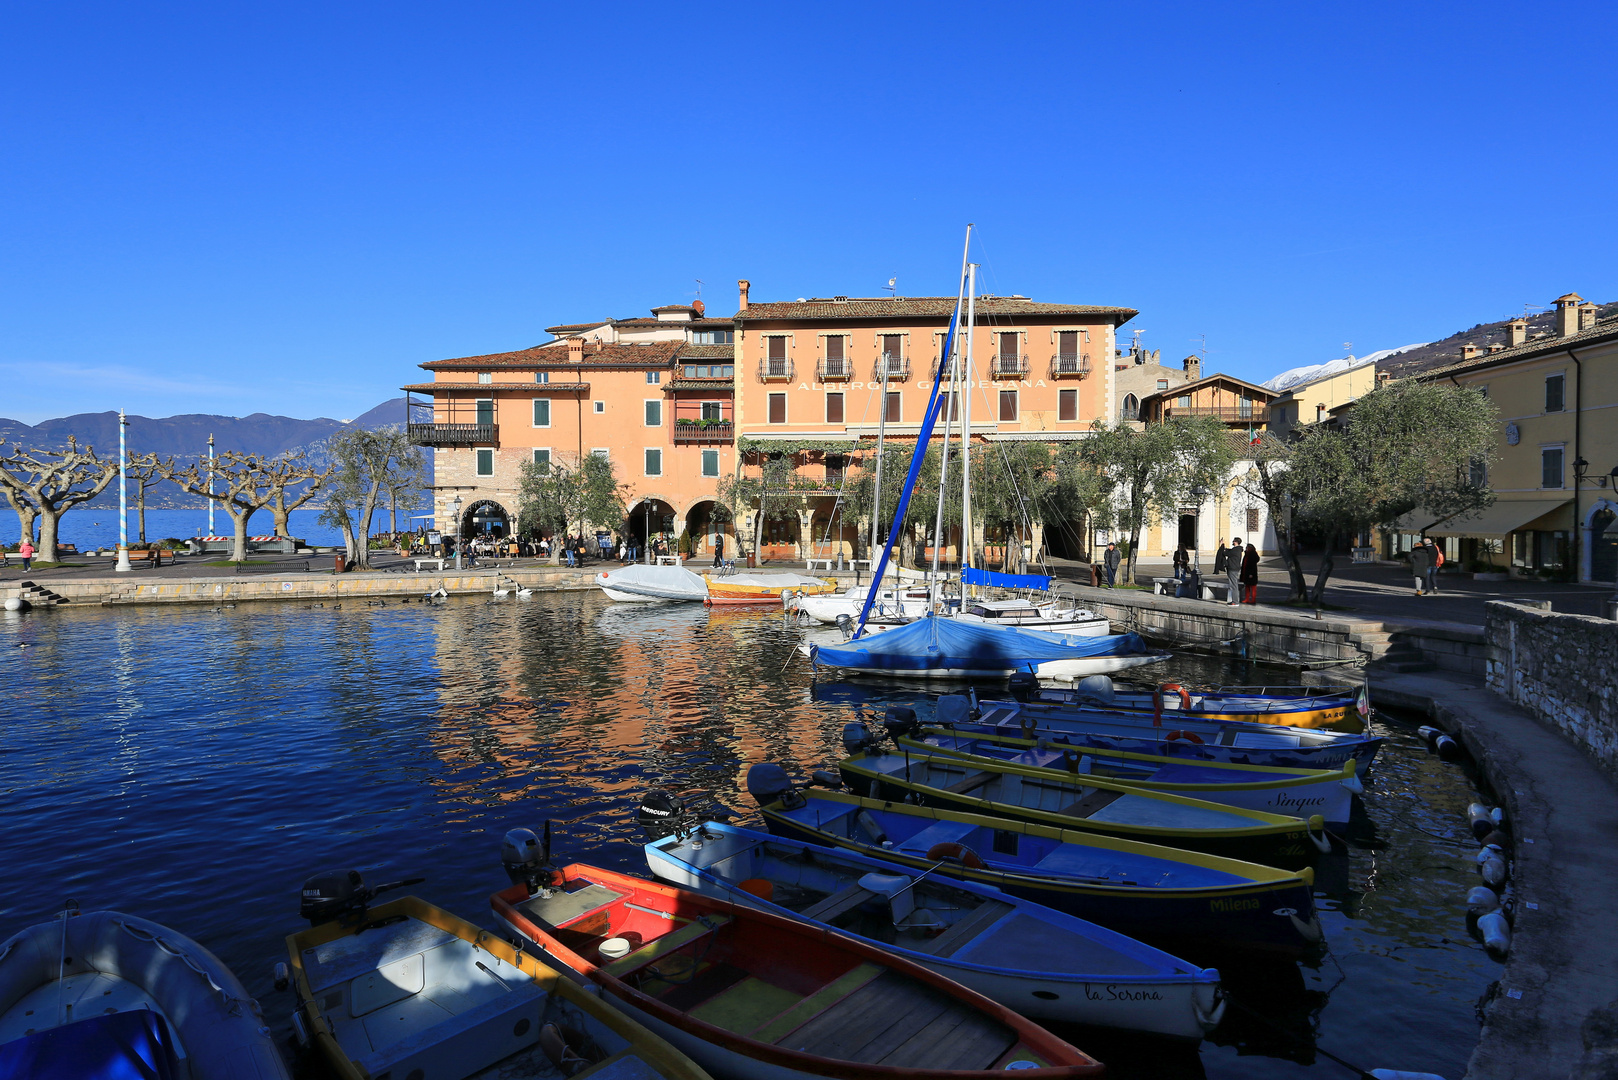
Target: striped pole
123	493
210	483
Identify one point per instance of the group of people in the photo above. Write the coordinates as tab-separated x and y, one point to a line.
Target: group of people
1425	559
1239	564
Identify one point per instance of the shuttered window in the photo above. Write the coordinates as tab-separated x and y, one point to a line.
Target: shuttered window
1008	405
778	408
1067	405
894	411
542	412
834	408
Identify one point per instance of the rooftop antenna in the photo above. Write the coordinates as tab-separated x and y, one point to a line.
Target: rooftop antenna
1203	351
699	288
1348	349
893	283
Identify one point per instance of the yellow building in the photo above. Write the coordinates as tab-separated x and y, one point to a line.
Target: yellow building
1311	402
1556	459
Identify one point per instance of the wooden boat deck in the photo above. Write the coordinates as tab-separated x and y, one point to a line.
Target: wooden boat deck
896	1021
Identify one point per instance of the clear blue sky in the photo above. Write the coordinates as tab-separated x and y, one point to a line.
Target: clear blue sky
286	207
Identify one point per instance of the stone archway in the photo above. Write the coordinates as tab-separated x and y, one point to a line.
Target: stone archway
485	517
1601	542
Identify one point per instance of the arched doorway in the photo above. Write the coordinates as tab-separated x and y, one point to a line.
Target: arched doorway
706	520
650	518
485	518
1603	545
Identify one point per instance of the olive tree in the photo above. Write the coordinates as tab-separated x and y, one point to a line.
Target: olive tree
559	494
363	463
769	493
1011	487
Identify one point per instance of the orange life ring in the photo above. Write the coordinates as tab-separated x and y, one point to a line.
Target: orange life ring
959	853
1185	695
1186	736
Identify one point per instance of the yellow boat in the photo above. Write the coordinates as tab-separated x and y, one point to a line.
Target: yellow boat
762	588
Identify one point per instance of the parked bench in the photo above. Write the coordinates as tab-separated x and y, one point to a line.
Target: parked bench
438	564
1212	588
153	556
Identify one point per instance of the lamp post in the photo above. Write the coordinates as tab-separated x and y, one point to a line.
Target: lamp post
456	507
123	495
1199	493
210	484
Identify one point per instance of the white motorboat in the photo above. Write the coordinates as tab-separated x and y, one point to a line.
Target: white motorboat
639	583
1057	616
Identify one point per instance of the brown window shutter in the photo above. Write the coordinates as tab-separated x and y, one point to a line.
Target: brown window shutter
834	408
1008	405
834	347
778	408
893	407
1068	405
778	348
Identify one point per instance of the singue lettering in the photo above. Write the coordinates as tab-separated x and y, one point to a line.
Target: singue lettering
1285	800
1111	992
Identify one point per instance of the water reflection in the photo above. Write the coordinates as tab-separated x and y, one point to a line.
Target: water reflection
219	757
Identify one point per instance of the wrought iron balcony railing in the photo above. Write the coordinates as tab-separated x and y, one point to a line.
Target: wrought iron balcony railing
774	368
1007	364
897	367
1070	364
834	369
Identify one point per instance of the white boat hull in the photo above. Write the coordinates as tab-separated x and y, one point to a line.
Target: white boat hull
1055	670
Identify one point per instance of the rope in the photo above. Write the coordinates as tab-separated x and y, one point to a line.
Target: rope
179	954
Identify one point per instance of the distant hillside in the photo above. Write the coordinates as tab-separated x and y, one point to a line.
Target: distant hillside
1437	354
186	437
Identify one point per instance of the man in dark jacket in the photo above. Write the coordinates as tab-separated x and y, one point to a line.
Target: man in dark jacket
1421	560
1233	571
1249	575
1111	561
1221	558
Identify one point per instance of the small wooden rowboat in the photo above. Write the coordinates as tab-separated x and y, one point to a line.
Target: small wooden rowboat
1045	964
406	989
1292	706
1184	736
1086	804
747	993
1179	899
762	588
109	994
1327	792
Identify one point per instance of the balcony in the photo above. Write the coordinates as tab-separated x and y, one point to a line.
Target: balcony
1230	414
1070	365
453	434
704	431
834	369
775	368
1009	365
896	367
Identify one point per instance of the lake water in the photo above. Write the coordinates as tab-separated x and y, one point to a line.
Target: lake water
194	766
91	527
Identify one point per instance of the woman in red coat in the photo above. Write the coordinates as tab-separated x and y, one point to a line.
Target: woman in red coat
1249	575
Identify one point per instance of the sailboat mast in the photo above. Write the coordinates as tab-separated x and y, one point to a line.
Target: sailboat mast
881	433
950	398
968	381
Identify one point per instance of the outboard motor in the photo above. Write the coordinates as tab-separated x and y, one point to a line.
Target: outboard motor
846	625
953	709
342	895
900	720
767	782
660	814
527	859
1094	688
857	739
1023	686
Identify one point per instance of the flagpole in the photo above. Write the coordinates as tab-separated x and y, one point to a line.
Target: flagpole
210	484
123	495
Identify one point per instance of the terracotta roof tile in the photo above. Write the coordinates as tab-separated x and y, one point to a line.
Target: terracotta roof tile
574	328
925	307
1546	346
707	352
596	354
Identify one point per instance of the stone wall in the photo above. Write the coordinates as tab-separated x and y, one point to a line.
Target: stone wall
1561	668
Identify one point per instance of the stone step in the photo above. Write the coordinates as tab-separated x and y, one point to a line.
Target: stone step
37	596
1405	667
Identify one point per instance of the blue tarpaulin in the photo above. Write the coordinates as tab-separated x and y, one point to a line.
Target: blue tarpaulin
973	576
134	1045
938	644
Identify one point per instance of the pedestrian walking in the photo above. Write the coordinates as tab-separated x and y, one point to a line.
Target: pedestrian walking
567	549
1421	560
26	550
719	549
1249	575
1233	571
1111	561
1434	565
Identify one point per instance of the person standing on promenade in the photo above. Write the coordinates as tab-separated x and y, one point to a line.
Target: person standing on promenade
1421	560
26	550
1233	571
719	549
1112	560
1182	563
1437	560
1249	575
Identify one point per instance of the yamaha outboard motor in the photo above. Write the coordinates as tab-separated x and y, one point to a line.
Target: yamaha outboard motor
1023	686
660	814
332	895
767	782
527	859
900	720
857	739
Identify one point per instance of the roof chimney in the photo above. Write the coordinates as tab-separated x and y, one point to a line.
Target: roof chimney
1587	317
1567	314
1496	346
575	350
1517	329
1193	368
1383	378
743	285
1468	351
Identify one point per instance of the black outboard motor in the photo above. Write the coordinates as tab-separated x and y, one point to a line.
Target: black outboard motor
900	720
527	859
857	739
1024	687
342	895
660	814
767	782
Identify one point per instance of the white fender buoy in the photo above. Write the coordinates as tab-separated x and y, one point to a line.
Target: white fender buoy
1482	823
14	603
1492	866
1481	901
1447	748
1429	734
1496	934
1498	814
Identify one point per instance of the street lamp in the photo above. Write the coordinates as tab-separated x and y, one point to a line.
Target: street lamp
123	496
1199	493
456	508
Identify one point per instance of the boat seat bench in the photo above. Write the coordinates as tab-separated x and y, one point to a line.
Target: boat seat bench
939	832
838	903
661	947
892	1020
966	929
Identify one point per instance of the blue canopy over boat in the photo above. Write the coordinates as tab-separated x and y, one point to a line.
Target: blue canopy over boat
973	576
947	643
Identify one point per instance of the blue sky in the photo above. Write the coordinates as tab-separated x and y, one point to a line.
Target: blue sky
285	208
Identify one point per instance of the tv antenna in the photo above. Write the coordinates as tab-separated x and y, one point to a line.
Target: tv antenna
1348	348
1202	340
699	288
893	283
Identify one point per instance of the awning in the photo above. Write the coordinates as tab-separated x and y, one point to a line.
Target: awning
1505	516
1418	520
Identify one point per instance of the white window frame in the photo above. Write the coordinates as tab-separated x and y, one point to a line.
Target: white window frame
546	461
646	460
714	459
602	452
654	378
477	462
718	408
535	414
542	377
646	408
485	377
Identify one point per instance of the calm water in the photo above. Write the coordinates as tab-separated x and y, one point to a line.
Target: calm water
194	766
91	527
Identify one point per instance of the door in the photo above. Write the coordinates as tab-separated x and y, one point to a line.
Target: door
1188	531
1603	547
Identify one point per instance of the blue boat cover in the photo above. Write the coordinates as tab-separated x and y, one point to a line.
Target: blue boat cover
134	1045
973	576
934	644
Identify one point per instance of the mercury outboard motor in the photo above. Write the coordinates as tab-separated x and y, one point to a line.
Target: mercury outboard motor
1024	687
660	814
767	782
341	895
857	739
900	720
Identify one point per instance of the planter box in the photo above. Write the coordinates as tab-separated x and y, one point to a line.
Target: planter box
1492	575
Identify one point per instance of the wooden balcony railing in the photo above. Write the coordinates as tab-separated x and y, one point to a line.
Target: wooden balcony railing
703	431
1230	414
453	434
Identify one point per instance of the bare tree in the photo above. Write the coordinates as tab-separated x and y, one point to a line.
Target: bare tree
27	512
53	482
145	471
250	482
279	506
